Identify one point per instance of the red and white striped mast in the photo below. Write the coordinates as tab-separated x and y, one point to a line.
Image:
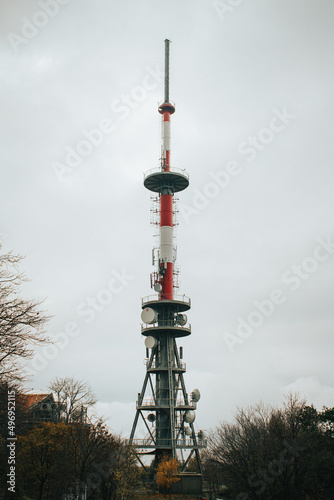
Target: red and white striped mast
166	197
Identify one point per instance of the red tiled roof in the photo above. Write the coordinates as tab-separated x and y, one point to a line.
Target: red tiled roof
30	400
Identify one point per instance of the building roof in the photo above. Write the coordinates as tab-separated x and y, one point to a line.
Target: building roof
30	400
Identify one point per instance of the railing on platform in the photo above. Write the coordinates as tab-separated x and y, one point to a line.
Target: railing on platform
167	443
176	297
165	324
157	365
162	402
173	170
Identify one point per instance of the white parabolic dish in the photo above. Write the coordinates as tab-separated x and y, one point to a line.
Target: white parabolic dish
150	342
149	315
195	395
190	416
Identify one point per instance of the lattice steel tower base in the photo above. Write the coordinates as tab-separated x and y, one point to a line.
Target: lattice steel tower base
163	405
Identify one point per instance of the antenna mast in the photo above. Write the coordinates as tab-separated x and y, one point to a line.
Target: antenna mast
167	42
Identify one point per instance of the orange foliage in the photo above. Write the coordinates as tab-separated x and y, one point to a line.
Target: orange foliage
166	472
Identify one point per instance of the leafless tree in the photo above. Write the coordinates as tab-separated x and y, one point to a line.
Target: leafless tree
273	453
74	396
21	321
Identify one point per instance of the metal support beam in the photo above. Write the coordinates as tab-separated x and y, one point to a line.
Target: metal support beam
152	389
147	427
141	463
187	461
141	396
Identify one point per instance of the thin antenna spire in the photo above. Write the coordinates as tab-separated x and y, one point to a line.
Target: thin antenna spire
167	42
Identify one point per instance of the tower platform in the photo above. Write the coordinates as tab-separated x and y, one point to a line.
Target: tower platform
156	179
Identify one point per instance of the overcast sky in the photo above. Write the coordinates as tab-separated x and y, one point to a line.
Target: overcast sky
253	84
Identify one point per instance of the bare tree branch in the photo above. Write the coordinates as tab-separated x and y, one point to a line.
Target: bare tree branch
21	321
73	394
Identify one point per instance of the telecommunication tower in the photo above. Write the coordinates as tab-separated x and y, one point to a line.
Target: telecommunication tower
168	413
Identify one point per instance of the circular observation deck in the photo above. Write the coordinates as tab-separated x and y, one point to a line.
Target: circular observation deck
180	303
156	179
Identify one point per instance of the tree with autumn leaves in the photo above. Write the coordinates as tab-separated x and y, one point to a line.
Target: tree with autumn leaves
42	458
167	473
57	458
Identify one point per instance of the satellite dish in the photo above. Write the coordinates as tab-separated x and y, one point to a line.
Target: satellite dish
151	417
195	395
188	431
189	416
157	287
151	342
149	315
181	319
